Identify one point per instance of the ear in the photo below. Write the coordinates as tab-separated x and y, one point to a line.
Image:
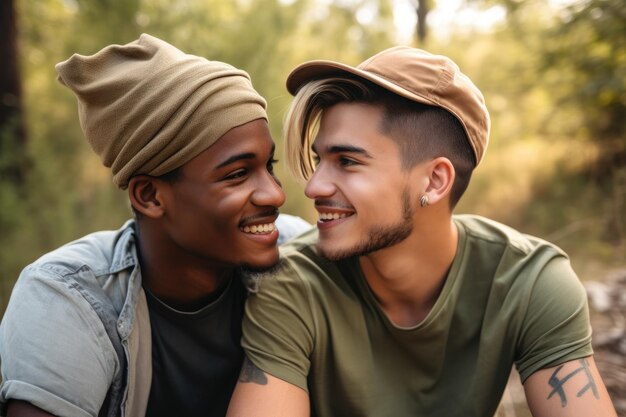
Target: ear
440	179
145	196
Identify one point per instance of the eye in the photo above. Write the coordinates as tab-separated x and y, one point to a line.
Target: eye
270	165
240	173
346	162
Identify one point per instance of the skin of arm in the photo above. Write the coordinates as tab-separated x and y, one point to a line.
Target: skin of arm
19	408
259	394
573	389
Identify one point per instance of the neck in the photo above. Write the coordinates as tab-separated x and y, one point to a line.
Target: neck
180	279
407	278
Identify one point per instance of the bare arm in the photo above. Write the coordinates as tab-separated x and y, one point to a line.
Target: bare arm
573	389
258	394
25	409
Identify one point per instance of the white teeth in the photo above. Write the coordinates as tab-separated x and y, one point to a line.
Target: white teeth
332	216
259	228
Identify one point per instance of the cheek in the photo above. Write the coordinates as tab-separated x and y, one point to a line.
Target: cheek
368	189
376	199
204	211
231	205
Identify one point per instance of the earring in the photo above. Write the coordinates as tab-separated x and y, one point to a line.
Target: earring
424	200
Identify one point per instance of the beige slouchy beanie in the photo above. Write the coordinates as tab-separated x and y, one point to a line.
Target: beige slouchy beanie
148	108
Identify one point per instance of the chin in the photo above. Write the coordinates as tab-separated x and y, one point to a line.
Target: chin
261	265
253	278
334	253
337	253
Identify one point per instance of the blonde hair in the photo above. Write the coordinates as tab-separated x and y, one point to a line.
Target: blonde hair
304	114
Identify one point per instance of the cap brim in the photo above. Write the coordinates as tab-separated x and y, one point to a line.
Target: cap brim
312	70
321	69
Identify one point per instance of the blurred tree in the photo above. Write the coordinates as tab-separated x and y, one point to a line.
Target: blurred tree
62	194
591	42
422	7
587	57
579	57
571	61
12	130
13	151
581	62
104	22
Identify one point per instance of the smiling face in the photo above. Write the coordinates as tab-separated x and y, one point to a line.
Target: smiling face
362	194
221	210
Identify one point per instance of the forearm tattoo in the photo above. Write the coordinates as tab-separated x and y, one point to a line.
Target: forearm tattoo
557	383
250	373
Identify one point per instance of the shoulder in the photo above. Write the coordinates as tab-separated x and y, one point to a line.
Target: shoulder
555	325
300	258
60	322
102	252
304	243
74	279
483	231
290	226
526	266
300	270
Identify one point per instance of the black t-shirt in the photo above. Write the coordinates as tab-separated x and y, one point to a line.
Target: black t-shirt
196	357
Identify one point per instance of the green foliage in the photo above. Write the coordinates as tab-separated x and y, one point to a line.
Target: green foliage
554	80
11	217
67	193
585	66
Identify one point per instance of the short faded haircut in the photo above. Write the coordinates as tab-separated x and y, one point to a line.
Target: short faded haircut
421	132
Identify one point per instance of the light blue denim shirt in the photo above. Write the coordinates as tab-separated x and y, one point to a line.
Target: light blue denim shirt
76	317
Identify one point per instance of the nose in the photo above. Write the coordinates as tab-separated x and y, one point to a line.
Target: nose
319	185
269	192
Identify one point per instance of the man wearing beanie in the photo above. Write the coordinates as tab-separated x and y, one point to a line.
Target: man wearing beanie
146	320
394	306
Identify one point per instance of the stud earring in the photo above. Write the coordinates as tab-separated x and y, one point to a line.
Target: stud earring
424	200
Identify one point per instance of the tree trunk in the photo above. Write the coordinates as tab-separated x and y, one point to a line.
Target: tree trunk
421	30
12	131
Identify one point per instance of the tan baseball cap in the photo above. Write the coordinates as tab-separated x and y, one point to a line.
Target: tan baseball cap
416	75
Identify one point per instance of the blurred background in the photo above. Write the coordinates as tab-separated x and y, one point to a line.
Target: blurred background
553	73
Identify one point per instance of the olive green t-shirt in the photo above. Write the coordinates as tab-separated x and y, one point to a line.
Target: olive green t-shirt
508	299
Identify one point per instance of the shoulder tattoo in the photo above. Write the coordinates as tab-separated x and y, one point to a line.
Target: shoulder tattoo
557	382
251	373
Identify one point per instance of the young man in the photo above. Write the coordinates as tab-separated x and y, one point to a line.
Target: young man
146	320
395	307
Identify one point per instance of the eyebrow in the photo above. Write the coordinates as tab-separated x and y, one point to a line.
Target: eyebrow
344	149
235	158
241	156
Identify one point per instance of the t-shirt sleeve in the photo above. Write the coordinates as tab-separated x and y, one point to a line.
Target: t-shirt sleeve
278	326
556	327
54	350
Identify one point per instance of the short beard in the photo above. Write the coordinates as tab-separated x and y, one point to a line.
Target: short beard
253	276
378	237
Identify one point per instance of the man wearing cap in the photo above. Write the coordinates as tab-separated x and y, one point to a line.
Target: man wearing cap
146	320
394	306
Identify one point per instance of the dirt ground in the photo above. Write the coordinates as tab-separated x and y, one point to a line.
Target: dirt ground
607	301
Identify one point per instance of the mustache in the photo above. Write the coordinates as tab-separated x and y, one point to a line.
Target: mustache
262	215
332	203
